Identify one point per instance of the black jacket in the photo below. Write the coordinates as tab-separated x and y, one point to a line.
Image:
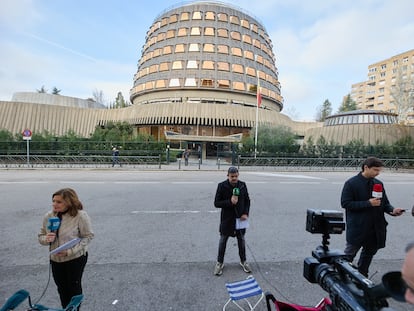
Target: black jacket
362	219
230	212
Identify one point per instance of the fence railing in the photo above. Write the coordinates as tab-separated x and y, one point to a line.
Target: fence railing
292	163
82	160
310	163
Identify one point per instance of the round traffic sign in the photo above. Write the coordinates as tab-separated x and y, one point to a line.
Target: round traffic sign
27	133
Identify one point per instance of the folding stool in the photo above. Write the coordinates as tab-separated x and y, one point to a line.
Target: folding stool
242	290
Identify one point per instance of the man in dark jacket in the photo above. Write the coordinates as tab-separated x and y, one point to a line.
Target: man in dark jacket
233	199
365	205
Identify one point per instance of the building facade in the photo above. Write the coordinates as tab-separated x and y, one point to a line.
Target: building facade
389	87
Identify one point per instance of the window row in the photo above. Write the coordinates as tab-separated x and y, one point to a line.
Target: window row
208	31
205	83
363	118
205	65
207	48
208	16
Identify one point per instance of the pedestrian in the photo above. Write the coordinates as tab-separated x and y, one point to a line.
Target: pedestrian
233	199
365	202
115	156
68	264
186	155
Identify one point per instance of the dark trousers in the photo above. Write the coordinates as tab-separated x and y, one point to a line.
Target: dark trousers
365	259
241	243
68	277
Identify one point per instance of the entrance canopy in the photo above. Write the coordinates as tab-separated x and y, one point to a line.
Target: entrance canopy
235	138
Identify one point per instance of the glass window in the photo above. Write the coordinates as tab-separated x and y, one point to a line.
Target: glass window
248	54
170	33
207	82
236	52
250	71
185	16
236	35
221	32
209	31
167	50
157	52
245	23
182	32
254	28
195	31
197	15
222	17
193	47
247	39
180	48
223	66
174	18
160	84
149	85
238	86
208	64
237	68
234	20
190	82
224	84
174	82
177	64
210	16
153	68
224	49
256	43
208	47
164	21
192	64
161	36
164	67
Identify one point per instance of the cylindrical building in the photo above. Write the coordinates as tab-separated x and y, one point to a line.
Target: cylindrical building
200	68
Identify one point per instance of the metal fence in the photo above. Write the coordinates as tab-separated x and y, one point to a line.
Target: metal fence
155	161
320	163
76	161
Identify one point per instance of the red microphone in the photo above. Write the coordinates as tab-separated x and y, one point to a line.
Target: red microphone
377	191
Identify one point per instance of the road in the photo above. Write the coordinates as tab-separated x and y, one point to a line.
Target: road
156	234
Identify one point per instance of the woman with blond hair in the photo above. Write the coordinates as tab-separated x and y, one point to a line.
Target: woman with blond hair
67	264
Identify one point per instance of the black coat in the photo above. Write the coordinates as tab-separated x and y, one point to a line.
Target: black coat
362	219
230	212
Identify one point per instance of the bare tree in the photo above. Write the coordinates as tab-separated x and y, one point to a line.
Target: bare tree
403	94
42	90
98	96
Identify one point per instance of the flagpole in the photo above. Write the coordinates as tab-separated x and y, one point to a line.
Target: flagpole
257	114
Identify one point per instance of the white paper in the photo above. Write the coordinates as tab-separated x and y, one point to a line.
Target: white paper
242	224
66	245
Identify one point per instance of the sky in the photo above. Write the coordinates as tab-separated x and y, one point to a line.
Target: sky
321	47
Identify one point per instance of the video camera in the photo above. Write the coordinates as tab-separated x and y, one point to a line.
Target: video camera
348	289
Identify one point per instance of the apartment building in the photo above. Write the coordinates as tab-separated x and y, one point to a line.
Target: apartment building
389	87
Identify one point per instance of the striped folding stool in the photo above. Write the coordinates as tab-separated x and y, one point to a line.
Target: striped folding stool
242	290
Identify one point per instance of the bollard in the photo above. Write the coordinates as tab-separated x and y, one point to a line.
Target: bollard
218	163
179	164
199	163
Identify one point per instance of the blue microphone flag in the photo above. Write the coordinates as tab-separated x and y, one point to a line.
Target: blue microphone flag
53	224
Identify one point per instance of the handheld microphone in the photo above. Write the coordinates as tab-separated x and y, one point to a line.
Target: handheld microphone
236	191
377	191
53	224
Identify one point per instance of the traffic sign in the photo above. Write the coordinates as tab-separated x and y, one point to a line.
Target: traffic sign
27	134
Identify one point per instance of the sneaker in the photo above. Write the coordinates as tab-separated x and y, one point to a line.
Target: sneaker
245	266
218	269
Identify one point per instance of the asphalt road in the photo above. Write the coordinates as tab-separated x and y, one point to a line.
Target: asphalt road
156	235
